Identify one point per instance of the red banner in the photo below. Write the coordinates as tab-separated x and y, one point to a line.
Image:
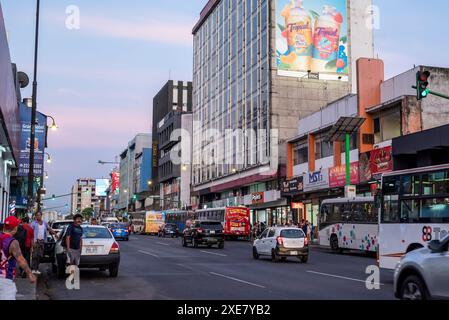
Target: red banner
382	160
337	175
258	198
115	181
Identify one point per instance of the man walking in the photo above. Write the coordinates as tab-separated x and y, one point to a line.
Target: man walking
73	241
10	256
40	229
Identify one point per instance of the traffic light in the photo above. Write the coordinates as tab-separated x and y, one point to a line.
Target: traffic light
422	83
134	197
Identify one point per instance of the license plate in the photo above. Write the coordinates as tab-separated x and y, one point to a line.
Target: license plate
294	253
91	249
212	232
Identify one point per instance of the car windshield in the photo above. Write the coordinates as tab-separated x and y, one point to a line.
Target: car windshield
292	233
170	226
60	225
96	233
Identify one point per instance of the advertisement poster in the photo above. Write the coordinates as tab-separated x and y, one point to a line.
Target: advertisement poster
312	36
365	167
153	221
382	160
257	198
237	221
316	180
337	175
292	186
25	144
115	182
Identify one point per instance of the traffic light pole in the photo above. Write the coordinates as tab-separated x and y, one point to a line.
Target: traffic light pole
441	95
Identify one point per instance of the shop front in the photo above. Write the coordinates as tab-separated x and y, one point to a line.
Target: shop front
269	208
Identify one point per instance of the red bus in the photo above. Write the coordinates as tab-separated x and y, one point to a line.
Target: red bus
235	220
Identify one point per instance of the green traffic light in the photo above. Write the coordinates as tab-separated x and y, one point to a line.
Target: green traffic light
425	93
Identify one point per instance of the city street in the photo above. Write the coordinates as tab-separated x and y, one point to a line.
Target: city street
155	268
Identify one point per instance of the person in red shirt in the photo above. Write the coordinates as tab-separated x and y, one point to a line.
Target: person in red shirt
29	239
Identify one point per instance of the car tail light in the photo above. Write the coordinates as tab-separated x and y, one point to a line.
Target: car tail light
280	241
306	241
115	248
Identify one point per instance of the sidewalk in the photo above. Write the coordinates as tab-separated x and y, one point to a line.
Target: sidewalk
25	290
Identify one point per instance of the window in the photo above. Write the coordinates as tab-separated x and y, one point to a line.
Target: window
391	209
323	149
411	185
410	211
353	145
436	183
264	234
300	153
391	186
435	210
271	233
387	125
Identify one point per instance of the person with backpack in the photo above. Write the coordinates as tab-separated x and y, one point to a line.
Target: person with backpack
10	257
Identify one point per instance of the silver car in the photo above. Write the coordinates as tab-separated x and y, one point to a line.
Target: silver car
424	274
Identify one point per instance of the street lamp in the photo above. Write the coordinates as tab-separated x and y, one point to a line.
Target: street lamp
150	183
46	175
53	126
49	159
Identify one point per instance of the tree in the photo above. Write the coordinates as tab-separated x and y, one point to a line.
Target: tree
88	213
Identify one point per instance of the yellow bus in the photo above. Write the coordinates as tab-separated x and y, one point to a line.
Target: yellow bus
153	221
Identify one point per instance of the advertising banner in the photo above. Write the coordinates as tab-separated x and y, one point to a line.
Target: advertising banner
115	181
257	198
101	185
312	39
365	174
293	186
337	175
237	221
316	180
25	143
382	160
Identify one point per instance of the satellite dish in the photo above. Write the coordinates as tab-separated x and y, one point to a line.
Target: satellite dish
24	80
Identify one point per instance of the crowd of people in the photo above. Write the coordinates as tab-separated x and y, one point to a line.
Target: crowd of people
304	225
22	246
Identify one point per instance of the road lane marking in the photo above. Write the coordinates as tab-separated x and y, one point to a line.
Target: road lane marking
340	277
217	254
148	253
238	280
162	244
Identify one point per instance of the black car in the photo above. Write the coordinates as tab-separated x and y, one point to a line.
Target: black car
170	230
207	233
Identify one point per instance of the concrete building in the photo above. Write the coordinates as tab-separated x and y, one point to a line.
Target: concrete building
391	138
247	100
133	161
84	195
172	108
9	121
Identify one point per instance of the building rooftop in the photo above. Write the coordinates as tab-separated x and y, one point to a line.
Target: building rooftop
207	10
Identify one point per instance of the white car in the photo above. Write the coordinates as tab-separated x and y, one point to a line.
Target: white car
100	250
60	225
280	243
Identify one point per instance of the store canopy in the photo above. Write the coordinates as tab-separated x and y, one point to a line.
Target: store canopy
344	126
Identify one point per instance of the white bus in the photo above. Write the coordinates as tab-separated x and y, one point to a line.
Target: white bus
349	223
414	210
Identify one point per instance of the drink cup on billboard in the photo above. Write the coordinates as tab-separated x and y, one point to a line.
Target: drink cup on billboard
299	35
326	41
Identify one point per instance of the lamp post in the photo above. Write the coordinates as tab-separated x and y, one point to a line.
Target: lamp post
33	115
53	126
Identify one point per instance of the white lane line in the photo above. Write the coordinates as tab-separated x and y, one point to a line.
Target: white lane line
217	254
238	280
340	277
148	253
162	244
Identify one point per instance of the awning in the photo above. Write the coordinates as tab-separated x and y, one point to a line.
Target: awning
436	138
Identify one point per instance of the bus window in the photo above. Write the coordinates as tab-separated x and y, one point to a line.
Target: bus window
435	209
409	211
391	209
391	185
436	183
411	185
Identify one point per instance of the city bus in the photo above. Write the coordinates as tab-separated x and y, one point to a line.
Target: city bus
138	221
349	223
235	220
179	218
153	221
414	210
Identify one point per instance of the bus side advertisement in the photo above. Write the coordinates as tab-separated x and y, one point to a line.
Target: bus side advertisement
153	221
237	222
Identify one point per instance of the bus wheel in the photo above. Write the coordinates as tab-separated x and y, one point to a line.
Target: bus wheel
334	244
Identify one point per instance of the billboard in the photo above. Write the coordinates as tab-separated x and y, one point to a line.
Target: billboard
25	143
101	185
316	180
115	184
312	39
337	175
381	160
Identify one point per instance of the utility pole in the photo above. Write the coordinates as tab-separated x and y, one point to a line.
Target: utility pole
33	116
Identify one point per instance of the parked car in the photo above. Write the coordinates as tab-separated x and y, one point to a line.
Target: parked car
100	250
423	274
119	231
207	233
59	225
49	247
281	243
170	230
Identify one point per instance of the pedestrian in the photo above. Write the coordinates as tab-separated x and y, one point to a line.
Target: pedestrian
72	241
309	231
40	229
10	256
94	222
304	226
29	240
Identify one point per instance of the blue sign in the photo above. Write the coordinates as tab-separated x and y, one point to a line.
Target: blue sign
25	143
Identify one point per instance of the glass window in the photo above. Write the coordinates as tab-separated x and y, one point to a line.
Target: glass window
391	185
391	209
271	233
435	209
264	234
436	183
409	211
292	233
411	185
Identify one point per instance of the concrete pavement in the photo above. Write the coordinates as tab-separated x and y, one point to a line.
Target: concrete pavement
155	268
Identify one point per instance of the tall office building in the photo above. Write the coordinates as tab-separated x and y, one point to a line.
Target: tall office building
84	195
259	67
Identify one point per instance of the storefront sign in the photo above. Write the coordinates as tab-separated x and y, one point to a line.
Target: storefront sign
316	180
381	160
293	186
257	198
365	174
299	205
337	175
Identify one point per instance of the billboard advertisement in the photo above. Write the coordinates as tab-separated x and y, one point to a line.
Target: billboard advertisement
337	175
316	180
115	183
293	186
25	143
312	39
101	185
382	160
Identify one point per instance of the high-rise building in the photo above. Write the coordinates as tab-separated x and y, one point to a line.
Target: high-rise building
84	195
259	67
172	108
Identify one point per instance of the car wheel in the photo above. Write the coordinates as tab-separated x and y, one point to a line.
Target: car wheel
304	259
221	245
113	270
413	288
194	243
256	254
184	242
274	256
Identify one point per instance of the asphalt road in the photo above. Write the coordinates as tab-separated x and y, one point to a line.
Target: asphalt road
157	269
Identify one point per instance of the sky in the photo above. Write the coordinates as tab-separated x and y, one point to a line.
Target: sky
98	81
